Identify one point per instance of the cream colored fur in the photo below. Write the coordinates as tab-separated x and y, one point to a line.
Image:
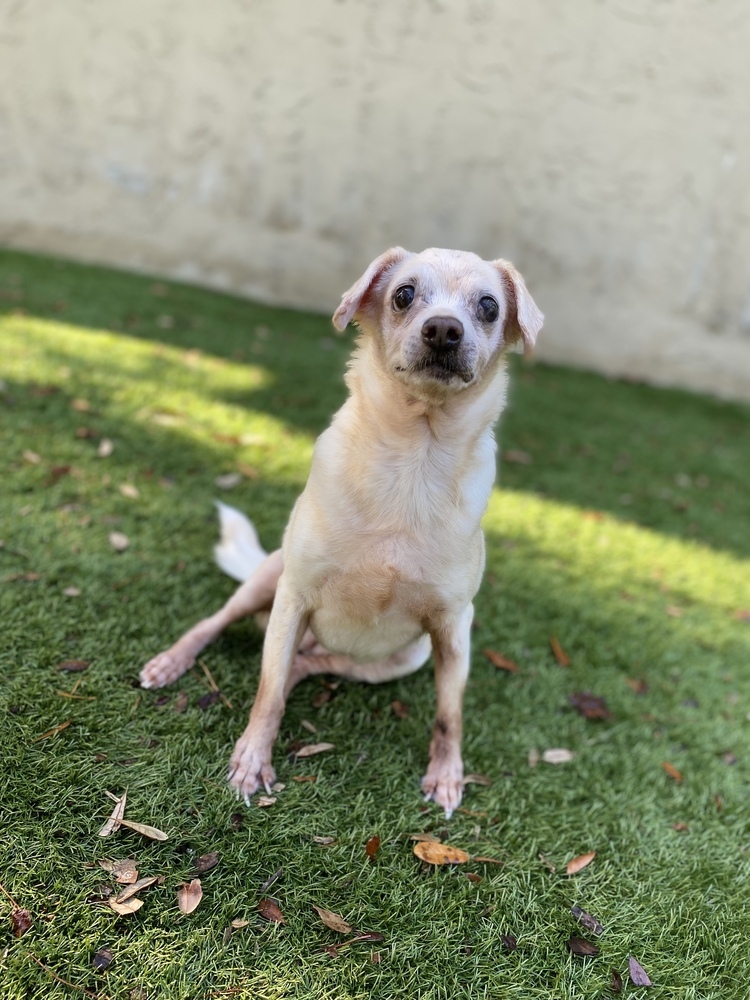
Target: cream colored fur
383	552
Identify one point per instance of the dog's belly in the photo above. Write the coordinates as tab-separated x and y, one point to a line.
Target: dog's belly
370	615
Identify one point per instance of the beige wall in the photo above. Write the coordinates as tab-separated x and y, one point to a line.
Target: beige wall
272	147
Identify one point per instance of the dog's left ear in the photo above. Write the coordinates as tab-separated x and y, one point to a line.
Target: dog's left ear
361	291
524	318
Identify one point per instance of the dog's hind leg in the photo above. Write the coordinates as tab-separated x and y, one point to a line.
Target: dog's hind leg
254	596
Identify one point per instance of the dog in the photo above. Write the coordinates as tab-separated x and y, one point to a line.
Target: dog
384	552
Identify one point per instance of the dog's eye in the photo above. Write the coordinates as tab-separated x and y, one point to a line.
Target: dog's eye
487	310
403	297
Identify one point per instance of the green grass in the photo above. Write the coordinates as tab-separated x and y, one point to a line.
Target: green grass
627	537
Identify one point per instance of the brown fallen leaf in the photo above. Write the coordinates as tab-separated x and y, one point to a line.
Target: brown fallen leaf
533	757
333	920
576	865
129	906
129	490
135	888
557	755
425	837
72	592
118	540
672	771
473	877
487	861
510	942
264	801
207	700
115	819
105	448
500	661
181	702
189	895
314	748
52	732
143	828
205	863
580	946
477	779
435	853
637	685
73	666
638	975
589	705
306	724
270	911
324	841
321	698
20	920
680	827
103	959
399	709
304	777
239	923
559	653
587	920
125	871
616	982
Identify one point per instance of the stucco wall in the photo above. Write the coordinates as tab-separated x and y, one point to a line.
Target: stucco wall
273	147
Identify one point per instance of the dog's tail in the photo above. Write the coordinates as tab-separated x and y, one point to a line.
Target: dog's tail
239	553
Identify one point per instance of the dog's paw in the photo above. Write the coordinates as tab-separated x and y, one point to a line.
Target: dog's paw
250	769
444	785
164	668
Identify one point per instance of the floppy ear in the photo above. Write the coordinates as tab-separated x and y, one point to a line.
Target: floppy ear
524	319
353	300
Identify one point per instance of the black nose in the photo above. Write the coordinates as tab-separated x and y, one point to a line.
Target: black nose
442	332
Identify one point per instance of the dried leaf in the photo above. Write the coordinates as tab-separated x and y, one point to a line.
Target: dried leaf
129	491
435	853
313	748
304	777
148	831
270	911
118	540
477	779
271	879
559	653
125	871
229	480
72	592
333	920
399	709
21	921
576	865
533	757
321	698
589	922
487	861
580	946
638	975
674	612
473	877
589	705
518	457
557	755
680	827
306	724
547	863
129	906
73	666
105	448
238	923
672	771
264	801
103	959
180	702
510	942
429	838
113	823
324	841
135	888
207	700
189	895
500	661
205	863
31	457
52	732
637	685
616	982
372	847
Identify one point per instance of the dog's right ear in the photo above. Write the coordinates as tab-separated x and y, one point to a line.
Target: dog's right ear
358	296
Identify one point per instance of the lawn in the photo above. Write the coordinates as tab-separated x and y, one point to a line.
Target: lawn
620	526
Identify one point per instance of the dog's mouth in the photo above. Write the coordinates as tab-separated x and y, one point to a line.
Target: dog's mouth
442	367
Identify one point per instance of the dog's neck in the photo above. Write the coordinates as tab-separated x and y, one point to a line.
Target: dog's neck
382	399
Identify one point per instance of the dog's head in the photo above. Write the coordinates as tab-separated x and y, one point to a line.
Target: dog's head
441	318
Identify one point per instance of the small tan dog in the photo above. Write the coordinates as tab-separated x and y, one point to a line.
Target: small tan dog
383	552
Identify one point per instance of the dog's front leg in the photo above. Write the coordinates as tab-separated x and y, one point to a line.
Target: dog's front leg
250	765
443	782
